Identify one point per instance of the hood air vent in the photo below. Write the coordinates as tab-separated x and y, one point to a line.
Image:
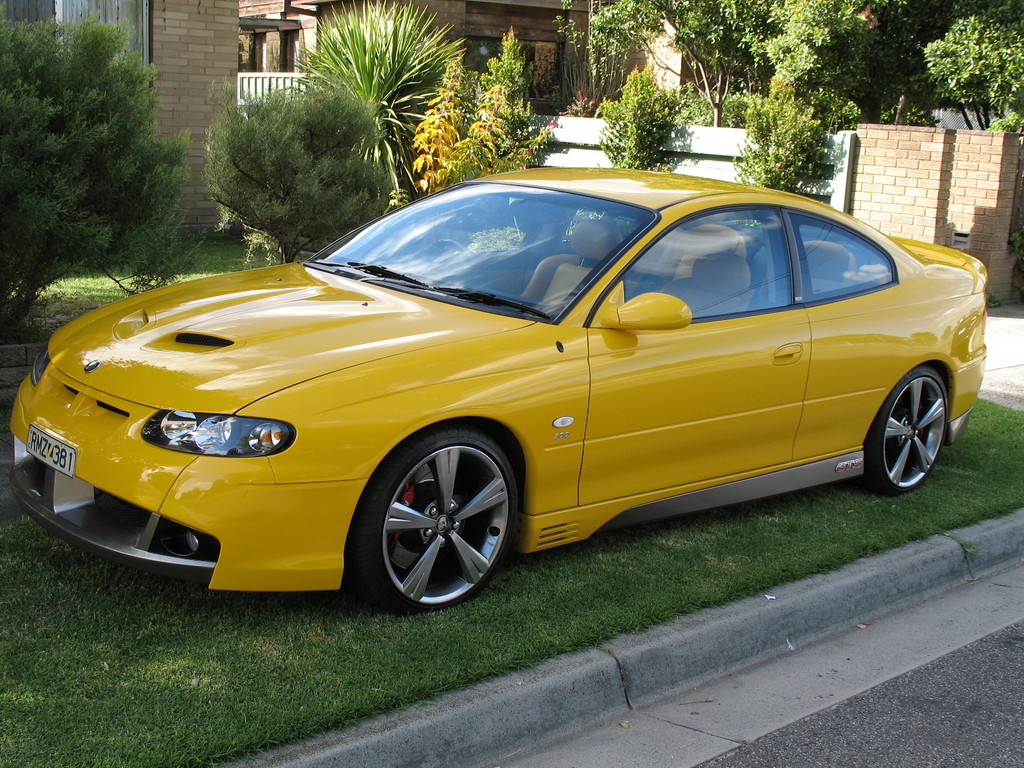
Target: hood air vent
202	340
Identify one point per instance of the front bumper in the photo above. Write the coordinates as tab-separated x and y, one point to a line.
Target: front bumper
110	527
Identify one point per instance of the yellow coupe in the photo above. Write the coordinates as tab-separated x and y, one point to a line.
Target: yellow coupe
521	360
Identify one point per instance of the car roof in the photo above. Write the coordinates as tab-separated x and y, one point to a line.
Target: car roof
648	188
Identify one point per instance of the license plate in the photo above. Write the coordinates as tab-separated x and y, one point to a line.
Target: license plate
52	451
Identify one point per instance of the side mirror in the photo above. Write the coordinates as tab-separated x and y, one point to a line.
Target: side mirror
646	312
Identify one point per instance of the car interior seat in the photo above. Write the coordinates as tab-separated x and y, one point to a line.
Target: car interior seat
591	240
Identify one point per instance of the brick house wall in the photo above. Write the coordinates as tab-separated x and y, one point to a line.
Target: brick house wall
932	183
195	52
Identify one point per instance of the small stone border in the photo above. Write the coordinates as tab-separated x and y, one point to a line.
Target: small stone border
15	363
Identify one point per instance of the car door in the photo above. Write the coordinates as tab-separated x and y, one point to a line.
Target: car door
860	337
675	409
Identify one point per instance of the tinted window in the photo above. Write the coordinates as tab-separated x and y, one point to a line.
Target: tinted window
722	263
836	262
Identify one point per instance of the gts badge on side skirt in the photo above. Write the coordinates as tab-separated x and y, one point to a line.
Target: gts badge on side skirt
846	466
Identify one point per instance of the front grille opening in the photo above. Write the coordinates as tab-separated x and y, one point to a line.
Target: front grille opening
121	512
202	340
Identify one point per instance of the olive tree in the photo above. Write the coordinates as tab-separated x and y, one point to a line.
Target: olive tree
293	169
85	182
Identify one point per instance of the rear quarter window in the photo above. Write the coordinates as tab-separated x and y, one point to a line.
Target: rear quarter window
836	262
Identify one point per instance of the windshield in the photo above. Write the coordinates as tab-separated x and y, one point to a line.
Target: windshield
499	245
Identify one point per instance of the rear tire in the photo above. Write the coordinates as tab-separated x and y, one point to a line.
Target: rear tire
906	436
434	522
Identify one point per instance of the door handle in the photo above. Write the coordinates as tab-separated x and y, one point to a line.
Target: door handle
788	354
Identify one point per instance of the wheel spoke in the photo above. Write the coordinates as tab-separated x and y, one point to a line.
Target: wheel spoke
915	396
937	411
446	467
899	466
894	428
490	496
403	518
926	457
473	564
416	582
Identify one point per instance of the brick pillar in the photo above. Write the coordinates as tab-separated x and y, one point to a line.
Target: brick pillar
983	189
927	183
195	51
902	180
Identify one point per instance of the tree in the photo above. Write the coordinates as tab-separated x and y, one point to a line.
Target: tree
85	184
293	167
393	58
719	40
978	66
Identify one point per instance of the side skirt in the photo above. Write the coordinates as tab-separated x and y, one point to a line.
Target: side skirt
785	480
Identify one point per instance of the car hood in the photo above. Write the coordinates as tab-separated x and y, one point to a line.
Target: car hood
218	344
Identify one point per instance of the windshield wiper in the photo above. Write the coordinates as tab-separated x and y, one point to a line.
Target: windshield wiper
388	274
482	297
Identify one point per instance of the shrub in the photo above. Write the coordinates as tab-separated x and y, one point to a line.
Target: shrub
392	58
466	134
639	123
784	140
293	167
85	184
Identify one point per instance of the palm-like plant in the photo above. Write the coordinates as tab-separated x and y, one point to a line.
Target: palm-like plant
393	58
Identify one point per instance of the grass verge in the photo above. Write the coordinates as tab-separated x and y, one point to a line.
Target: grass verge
101	665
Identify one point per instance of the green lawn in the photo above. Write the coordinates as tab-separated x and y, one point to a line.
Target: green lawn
73	296
101	665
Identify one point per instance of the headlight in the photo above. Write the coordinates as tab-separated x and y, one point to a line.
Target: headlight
211	434
39	366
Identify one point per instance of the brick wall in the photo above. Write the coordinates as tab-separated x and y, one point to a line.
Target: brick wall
927	183
195	52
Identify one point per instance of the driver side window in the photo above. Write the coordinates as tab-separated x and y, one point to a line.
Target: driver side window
724	263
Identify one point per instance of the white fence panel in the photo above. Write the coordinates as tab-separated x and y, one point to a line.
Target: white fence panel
699	151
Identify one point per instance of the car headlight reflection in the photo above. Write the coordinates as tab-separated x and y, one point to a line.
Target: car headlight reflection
212	434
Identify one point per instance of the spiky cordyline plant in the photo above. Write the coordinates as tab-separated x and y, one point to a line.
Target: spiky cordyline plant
393	58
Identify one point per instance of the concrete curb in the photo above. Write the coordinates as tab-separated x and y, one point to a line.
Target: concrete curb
475	725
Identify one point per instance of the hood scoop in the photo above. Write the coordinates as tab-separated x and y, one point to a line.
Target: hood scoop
202	340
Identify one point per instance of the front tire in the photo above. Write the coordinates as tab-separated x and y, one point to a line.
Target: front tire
906	436
434	522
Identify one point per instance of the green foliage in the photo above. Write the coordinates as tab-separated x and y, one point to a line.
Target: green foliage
784	140
466	133
639	123
593	65
719	40
1013	122
393	58
979	64
85	184
294	168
